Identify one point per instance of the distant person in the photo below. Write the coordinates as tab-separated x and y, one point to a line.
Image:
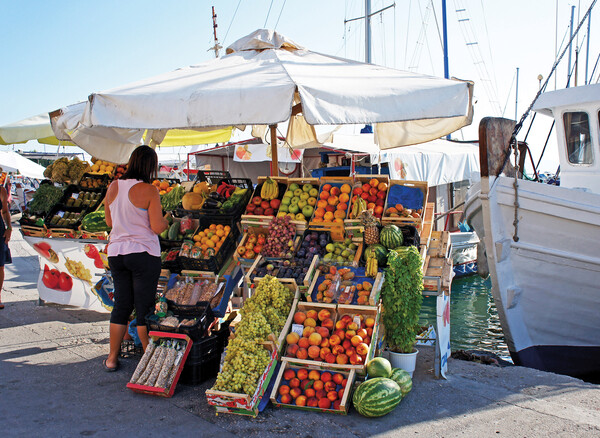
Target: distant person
134	212
5	234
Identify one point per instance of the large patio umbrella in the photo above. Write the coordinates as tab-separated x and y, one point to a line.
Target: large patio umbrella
266	79
32	128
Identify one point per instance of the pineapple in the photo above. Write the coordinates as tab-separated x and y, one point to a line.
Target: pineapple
371	236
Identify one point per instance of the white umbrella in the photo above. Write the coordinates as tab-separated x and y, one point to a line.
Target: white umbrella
266	79
12	162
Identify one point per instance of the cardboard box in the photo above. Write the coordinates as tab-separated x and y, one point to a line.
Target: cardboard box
164	392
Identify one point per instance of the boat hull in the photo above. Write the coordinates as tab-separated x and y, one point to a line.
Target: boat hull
544	282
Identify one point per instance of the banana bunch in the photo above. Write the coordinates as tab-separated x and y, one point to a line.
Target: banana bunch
269	190
371	267
359	206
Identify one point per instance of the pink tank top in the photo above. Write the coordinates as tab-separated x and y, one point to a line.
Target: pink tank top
131	232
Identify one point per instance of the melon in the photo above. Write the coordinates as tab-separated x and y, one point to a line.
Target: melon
378	251
391	236
377	397
403	379
379	367
192	201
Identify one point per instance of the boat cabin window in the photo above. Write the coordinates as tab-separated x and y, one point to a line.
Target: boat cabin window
577	133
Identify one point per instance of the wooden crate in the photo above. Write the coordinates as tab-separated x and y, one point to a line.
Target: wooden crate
373	297
439	244
243	404
249	231
33	231
335	181
401	220
338	311
345	401
427	223
282	181
100	235
66	233
360	180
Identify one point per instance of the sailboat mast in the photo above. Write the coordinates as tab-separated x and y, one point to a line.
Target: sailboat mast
368	31
445	36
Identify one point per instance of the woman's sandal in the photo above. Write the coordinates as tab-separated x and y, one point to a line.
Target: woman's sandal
109	369
1	306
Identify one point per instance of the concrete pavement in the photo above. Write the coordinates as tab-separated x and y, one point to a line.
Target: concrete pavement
52	384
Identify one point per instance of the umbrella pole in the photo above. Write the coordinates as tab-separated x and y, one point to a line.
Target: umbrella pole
274	159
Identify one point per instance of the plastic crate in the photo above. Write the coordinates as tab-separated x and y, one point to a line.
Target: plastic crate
195	332
204	359
212	176
58	208
70	190
103	180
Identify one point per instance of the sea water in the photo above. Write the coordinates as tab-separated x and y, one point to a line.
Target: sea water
474	322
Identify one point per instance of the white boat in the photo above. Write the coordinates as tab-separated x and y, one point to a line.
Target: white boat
464	253
543	241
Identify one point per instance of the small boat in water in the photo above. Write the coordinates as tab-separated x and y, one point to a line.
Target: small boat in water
542	241
464	253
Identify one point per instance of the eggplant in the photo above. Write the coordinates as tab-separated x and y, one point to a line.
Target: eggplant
216	196
211	203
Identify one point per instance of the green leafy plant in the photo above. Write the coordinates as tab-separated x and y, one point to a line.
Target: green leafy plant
401	297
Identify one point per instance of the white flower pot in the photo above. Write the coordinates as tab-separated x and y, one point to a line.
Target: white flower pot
405	361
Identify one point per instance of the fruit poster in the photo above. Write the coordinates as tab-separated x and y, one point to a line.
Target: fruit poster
262	152
71	273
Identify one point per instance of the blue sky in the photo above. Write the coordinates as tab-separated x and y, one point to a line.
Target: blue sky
58	52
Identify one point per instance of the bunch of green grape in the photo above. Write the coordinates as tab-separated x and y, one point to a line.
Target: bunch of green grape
262	314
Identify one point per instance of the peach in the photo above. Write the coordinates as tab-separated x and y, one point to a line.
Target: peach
302	353
338	378
328	324
324	352
302	374
310	322
362	349
330	358
286	399
332	396
352	326
344	383
312	402
315	339
369	322
335	191
350	351
341	393
362	333
309	392
330	386
340	325
294	382
341	359
325	403
291	350
314	375
334	340
295	392
325	343
292	338
347	319
336	405
368	340
350	334
299	317
289	374
355	359
337	349
312	313
314	351
308	331
321	394
341	334
284	389
346	344
326	376
318	385
324	332
324	314
369	331
355	340
303	343
301	400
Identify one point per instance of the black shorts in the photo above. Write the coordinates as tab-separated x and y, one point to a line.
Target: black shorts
135	278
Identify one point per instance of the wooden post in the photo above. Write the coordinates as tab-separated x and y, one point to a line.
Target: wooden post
274	159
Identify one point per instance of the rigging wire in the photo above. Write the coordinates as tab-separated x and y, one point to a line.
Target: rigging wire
268	13
487	34
415	60
231	22
509	91
407	33
280	12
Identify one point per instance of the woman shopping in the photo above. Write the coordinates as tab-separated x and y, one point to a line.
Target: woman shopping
134	212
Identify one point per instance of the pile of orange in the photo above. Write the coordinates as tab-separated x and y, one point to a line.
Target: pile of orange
163	187
332	205
211	239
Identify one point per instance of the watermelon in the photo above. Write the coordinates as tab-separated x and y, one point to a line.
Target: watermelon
403	379
379	367
377	397
391	236
378	251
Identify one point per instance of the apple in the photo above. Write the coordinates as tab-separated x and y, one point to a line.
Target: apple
275	203
294	209
299	217
256	200
298	192
312	201
307	187
381	195
307	211
302	203
284	208
265	205
250	207
380	202
259	211
293	187
269	212
313	192
304	196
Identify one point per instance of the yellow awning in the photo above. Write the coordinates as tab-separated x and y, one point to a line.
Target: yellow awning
187	137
